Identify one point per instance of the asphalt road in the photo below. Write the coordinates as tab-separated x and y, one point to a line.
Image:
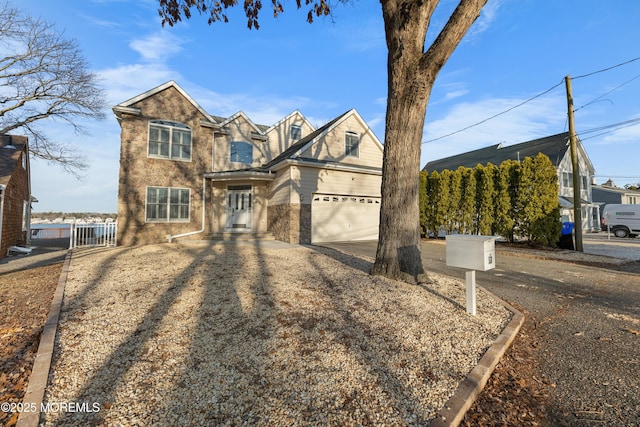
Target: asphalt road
587	327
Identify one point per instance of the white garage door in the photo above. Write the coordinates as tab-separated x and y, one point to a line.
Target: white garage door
336	218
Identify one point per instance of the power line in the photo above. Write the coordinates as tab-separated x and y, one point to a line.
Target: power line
607	69
499	114
541	94
607	93
624	124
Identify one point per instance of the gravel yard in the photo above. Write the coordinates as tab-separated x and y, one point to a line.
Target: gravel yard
244	334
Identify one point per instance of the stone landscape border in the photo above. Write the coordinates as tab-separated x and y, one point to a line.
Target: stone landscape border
31	403
468	391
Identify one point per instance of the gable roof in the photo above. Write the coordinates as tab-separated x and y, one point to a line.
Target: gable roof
555	147
11	148
127	106
284	119
260	129
295	149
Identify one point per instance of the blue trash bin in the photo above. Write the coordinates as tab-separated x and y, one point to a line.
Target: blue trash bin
566	237
567	228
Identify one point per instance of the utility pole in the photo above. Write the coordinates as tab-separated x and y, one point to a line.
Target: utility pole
577	201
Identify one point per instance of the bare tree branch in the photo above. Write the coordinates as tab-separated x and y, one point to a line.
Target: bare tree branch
44	77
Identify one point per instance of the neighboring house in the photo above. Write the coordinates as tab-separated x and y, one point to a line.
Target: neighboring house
15	192
187	174
608	193
556	147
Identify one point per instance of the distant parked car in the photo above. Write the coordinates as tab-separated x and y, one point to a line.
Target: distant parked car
622	220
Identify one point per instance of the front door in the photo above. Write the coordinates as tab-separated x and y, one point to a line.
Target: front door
239	208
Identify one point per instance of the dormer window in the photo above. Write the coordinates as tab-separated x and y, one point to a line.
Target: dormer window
296	132
169	140
241	152
352	143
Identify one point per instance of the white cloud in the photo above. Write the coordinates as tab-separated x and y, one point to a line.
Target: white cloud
126	81
487	16
455	94
157	47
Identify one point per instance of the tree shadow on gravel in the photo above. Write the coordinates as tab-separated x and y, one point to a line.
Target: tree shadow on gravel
349	259
363	264
398	396
103	384
223	379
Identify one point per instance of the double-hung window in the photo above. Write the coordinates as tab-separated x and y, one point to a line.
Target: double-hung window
166	204
351	143
169	140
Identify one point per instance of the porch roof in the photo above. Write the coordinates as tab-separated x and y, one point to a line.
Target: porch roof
244	175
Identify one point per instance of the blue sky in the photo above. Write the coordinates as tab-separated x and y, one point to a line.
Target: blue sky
516	50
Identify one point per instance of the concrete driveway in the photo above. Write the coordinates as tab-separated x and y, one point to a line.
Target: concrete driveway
585	320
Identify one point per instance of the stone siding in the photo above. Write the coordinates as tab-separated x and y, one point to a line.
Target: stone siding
279	222
290	223
138	170
305	224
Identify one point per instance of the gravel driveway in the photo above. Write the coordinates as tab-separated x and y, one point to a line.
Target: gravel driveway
582	318
240	334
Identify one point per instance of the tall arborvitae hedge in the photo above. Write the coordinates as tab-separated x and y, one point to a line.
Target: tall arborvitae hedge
516	200
424	202
467	212
485	199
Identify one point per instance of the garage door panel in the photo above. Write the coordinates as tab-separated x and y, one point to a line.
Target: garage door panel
344	217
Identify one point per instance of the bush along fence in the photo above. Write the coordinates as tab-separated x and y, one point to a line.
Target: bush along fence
515	200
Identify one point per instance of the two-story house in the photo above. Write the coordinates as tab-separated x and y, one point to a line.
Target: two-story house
556	147
187	174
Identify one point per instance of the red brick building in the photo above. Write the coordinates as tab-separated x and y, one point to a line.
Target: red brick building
15	192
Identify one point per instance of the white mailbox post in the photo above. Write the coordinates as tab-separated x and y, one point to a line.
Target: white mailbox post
473	253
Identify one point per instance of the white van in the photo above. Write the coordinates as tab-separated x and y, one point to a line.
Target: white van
621	220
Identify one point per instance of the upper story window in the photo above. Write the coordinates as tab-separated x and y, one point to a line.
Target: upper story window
567	181
241	152
169	140
296	132
352	144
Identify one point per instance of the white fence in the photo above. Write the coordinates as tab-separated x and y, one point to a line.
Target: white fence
93	234
78	233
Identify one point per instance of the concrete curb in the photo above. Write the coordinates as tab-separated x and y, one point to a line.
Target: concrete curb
40	372
457	406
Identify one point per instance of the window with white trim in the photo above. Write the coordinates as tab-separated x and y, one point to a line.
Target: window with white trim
351	144
241	152
166	204
169	140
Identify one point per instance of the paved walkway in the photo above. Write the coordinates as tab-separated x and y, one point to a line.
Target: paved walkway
44	252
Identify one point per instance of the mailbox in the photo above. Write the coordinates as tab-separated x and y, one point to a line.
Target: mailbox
471	252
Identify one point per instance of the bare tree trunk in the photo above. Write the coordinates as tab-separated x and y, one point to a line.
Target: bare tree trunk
411	74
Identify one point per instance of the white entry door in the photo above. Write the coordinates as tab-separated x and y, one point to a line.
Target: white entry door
239	208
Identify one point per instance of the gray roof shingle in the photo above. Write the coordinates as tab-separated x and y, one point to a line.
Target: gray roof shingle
554	147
